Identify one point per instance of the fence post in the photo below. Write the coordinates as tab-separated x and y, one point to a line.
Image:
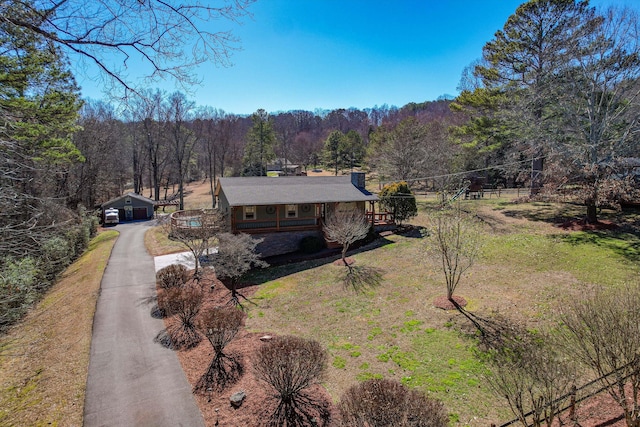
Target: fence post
572	408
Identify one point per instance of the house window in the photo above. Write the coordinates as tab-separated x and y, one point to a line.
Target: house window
292	211
249	212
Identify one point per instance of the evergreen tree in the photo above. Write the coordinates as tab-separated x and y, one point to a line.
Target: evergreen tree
399	200
334	148
39	106
260	142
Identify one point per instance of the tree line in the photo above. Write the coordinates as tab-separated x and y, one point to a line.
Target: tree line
552	104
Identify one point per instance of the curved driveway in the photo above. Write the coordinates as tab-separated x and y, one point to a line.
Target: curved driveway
133	381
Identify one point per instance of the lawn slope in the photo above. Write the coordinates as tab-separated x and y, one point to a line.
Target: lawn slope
44	359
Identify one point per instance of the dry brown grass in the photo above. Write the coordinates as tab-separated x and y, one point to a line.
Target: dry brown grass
44	359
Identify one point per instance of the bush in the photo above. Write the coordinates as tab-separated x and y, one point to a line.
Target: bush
184	303
290	365
78	238
312	244
385	402
399	200
18	289
172	276
220	325
57	254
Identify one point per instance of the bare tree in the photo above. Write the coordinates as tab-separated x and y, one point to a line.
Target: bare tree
385	402
528	371
599	100
169	37
346	228
196	229
184	303
220	325
290	366
236	256
456	242
183	139
602	331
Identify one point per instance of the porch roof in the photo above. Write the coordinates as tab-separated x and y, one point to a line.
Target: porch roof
247	191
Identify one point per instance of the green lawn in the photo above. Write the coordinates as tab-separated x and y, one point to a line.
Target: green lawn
392	330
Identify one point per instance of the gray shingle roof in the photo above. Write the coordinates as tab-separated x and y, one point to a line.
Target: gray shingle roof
247	191
132	195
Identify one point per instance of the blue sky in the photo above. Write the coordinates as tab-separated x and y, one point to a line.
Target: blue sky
309	54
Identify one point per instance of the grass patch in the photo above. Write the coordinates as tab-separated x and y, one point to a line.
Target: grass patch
591	258
393	331
44	359
157	242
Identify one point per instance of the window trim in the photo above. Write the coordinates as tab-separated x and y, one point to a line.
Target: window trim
294	210
251	210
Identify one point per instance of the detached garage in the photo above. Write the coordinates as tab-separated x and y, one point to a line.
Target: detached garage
131	207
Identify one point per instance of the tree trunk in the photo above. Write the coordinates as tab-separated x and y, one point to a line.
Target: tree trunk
592	212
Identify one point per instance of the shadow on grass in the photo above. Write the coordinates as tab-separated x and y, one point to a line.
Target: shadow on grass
360	278
621	238
623	243
286	265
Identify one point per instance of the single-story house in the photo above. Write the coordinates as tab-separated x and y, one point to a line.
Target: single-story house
294	206
284	167
131	206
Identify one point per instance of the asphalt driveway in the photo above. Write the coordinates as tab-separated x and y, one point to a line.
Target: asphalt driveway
133	381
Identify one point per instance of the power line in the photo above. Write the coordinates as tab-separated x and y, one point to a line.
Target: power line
467	172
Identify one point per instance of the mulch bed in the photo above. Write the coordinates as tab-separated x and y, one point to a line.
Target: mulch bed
348	260
583	225
215	407
445	304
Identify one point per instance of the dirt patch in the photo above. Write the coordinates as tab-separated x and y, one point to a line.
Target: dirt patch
215	407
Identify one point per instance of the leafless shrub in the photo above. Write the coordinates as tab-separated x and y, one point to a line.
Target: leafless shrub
602	331
290	366
385	402
172	276
184	303
220	325
527	369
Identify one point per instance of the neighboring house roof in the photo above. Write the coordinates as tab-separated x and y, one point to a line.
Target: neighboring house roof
247	191
132	195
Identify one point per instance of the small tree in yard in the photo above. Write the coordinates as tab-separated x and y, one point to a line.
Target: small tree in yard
197	234
220	325
184	303
602	331
346	228
236	256
290	366
456	241
385	402
399	200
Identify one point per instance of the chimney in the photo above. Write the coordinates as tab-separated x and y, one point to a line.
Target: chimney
357	179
